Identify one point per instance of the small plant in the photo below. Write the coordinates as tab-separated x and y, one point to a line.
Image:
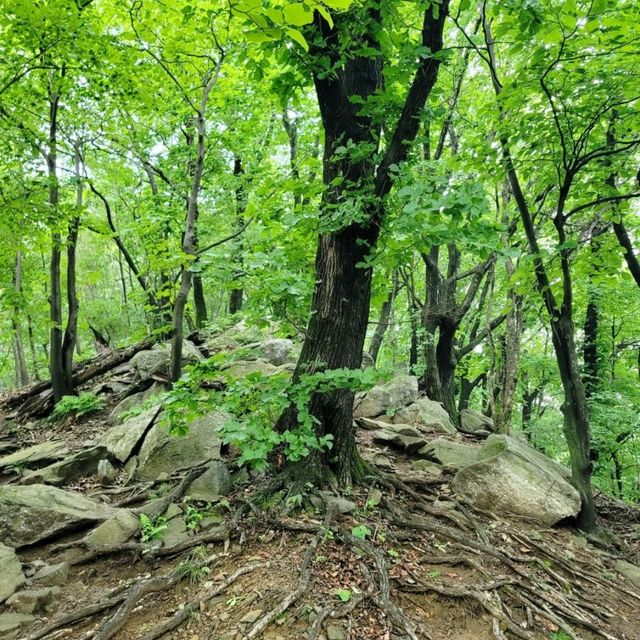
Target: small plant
77	406
361	532
343	594
193	517
152	529
393	553
559	635
193	567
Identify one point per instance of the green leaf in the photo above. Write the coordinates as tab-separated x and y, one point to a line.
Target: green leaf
297	14
343	594
294	34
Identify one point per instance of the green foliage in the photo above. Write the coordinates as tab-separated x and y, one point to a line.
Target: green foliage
361	531
255	401
78	406
343	594
152	529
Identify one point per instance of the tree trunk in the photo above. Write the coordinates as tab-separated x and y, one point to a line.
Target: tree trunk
383	321
22	375
199	301
236	294
447	362
32	347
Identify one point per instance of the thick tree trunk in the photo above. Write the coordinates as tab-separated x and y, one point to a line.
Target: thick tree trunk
199	301
447	362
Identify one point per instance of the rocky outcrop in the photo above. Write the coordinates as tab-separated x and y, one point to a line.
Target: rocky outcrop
163	453
212	484
387	398
135	400
114	531
429	415
472	421
401	436
450	453
36	456
121	440
11	575
83	463
156	361
277	351
33	513
512	478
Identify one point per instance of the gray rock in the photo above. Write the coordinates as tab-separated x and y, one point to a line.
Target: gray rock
53	574
426	466
80	464
251	617
32	513
498	443
408	443
242	368
628	570
277	351
336	632
175	533
35	456
213	483
157	360
325	502
517	482
134	400
11	575
369	424
121	440
116	530
427	414
10	623
387	398
164	453
474	421
33	601
450	454
106	473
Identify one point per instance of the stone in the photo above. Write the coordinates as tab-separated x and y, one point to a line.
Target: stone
164	453
473	421
106	472
157	360
328	502
175	533
369	424
515	481
116	530
53	574
12	622
72	468
628	570
427	414
213	483
11	575
408	443
33	601
450	453
387	398
382	461
130	467
336	632
426	466
251	617
32	513
173	511
242	368
36	456
498	443
135	400
277	351
121	440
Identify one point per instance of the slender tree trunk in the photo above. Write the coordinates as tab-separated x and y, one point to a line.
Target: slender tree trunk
32	347
237	293
447	362
22	375
383	320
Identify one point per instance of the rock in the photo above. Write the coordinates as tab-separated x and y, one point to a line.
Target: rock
369	424
429	414
53	574
450	454
498	442
409	443
387	398
251	617
474	421
33	601
325	502
175	533
382	461
121	440
73	467
516	481
277	351
11	575
106	473
36	456
242	368
374	497
134	400
130	467
32	513
213	483
336	632
12	622
164	453
157	360
116	530
173	511
426	466
628	570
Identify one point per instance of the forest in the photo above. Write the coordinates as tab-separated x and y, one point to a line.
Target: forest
369	270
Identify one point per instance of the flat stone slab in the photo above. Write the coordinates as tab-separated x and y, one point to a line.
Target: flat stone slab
11	575
121	440
450	453
37	455
32	513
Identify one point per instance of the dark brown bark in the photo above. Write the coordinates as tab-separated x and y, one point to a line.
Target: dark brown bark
236	294
22	375
340	307
627	246
383	320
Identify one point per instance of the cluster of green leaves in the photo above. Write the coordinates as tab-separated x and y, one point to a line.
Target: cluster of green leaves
254	402
152	529
77	406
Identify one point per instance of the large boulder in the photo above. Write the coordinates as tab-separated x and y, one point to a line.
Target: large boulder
36	456
242	368
277	351
212	484
114	531
515	480
11	575
121	440
429	414
473	421
157	360
628	570
135	400
162	452
401	436
450	453
31	513
77	465
387	398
